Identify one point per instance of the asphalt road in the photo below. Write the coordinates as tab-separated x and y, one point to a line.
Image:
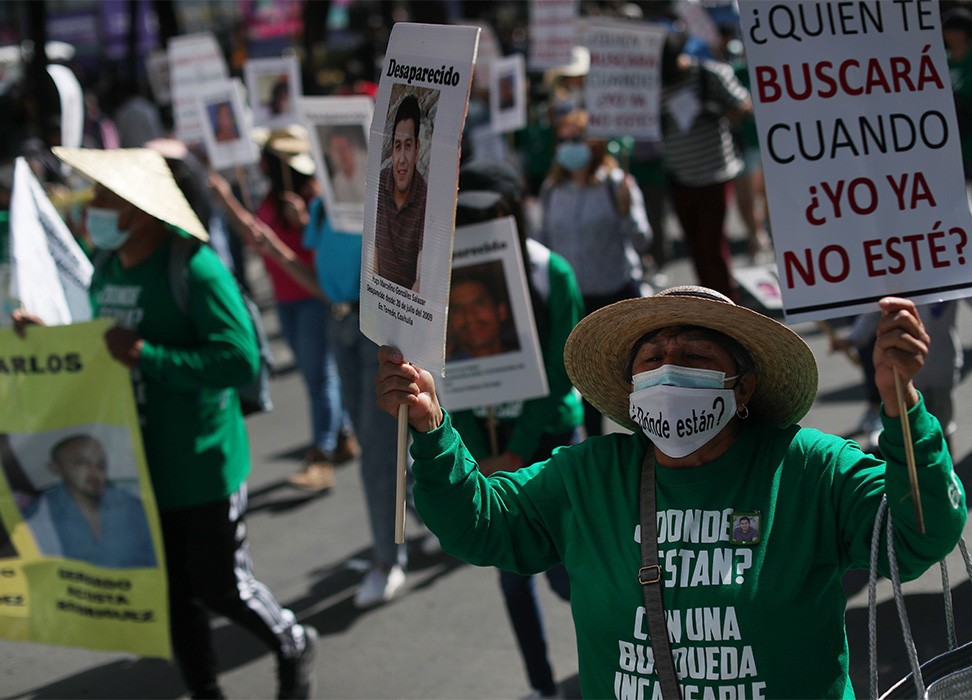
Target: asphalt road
447	636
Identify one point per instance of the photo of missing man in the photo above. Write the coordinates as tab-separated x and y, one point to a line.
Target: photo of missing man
480	321
346	157
223	121
507	91
402	185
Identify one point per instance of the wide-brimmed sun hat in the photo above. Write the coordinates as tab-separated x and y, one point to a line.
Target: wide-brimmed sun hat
599	348
139	176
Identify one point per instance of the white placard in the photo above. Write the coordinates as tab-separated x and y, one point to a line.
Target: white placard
507	93
49	273
338	128
72	105
489	50
698	22
762	283
273	85
226	131
492	347
195	61
553	31
623	87
860	147
405	264
157	69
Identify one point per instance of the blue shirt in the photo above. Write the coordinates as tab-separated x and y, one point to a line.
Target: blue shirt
337	256
61	529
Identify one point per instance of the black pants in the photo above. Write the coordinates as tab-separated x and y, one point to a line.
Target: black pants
209	569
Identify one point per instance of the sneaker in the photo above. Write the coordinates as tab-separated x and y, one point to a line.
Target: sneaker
379	586
317	474
295	677
347	448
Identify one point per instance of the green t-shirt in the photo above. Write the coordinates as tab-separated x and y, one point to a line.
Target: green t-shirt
194	434
747	616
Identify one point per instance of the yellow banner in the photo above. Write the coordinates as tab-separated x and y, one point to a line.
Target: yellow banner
81	557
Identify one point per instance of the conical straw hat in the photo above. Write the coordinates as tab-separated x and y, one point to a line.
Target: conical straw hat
140	176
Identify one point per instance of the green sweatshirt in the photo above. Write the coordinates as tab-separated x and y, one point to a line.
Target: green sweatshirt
195	438
558	412
761	618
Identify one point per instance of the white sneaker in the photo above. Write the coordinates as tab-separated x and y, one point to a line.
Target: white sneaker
379	586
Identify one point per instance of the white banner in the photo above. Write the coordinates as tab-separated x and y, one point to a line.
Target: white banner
860	147
195	61
623	87
410	201
49	273
553	31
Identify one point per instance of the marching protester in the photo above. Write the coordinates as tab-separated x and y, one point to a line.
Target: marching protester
303	314
186	366
528	431
714	393
594	216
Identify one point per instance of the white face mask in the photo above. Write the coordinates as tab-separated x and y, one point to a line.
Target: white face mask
680	409
103	228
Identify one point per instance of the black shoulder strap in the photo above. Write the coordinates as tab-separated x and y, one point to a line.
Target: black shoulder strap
180	252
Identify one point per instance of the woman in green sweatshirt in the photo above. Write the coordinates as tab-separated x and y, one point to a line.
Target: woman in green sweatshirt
714	393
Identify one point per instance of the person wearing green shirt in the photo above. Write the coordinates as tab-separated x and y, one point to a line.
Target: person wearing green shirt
186	365
525	431
714	393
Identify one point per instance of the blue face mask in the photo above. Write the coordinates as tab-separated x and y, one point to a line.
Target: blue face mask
573	157
685	377
103	229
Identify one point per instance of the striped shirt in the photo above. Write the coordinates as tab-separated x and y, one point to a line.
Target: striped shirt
700	151
398	232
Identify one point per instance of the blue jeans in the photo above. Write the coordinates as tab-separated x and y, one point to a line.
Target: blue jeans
520	594
357	361
305	326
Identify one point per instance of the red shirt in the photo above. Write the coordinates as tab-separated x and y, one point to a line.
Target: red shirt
284	286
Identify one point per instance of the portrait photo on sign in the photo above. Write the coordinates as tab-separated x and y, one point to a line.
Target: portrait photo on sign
78	492
225	126
345	151
273	85
507	94
402	185
480	320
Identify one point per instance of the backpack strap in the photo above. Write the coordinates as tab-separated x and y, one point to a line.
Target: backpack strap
180	252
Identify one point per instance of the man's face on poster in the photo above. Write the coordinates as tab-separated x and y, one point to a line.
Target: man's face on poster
405	147
342	150
83	467
476	319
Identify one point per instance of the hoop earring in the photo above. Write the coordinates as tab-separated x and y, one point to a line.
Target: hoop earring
743	413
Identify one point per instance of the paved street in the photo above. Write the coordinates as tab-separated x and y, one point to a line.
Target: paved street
448	636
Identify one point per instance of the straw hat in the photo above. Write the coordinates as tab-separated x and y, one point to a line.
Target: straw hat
291	144
599	347
139	176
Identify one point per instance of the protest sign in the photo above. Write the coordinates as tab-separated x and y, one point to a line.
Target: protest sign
410	200
553	31
860	149
226	131
65	404
273	85
623	87
489	50
71	101
195	61
698	22
492	347
157	70
761	282
49	273
338	129
507	93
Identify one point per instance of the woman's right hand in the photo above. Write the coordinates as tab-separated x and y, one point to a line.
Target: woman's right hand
400	383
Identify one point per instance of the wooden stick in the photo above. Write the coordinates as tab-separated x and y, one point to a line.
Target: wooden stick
401	474
244	188
491	427
288	181
909	451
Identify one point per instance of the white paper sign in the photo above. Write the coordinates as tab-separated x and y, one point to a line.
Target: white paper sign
72	105
410	201
623	87
507	93
195	61
860	147
553	32
338	128
226	131
50	274
762	283
273	85
492	347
